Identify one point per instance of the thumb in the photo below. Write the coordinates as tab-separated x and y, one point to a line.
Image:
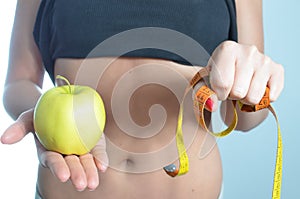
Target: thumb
100	154
19	129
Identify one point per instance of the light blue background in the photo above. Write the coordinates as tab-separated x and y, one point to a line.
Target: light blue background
249	159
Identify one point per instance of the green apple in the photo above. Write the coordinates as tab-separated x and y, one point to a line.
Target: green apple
69	119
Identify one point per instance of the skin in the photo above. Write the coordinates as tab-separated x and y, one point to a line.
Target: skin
245	72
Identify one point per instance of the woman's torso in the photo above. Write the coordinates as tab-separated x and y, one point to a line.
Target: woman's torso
140	133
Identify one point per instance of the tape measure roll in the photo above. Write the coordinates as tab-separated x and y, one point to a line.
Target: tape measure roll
201	97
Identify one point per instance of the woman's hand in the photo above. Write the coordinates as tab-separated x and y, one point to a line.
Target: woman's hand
81	170
241	72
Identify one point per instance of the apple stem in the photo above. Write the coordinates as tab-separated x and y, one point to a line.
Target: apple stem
66	80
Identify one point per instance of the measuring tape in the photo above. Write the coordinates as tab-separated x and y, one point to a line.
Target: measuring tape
202	95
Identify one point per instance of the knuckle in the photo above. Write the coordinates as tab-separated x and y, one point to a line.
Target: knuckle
252	99
280	69
222	86
228	45
265	63
255	93
71	158
266	60
238	93
252	51
222	90
86	157
226	85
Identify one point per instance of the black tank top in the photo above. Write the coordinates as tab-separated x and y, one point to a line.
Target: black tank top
73	28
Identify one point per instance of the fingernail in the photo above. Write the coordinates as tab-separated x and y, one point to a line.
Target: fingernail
2	139
209	104
5	139
80	190
80	187
103	168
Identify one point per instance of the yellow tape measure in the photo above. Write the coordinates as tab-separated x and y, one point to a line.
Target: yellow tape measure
202	95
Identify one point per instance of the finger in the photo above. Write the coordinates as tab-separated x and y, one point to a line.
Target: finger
78	176
258	86
54	161
243	75
100	155
222	69
19	129
91	171
276	81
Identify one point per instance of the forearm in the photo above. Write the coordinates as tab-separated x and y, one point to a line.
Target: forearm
20	96
25	70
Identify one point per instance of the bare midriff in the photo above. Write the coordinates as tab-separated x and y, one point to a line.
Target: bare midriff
141	97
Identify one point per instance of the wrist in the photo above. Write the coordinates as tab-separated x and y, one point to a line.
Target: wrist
20	96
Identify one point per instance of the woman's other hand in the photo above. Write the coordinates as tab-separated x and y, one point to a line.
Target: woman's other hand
241	72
